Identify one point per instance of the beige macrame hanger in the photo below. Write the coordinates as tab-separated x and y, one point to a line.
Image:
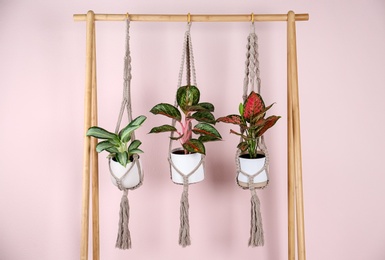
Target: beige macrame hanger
252	77
123	240
126	103
188	57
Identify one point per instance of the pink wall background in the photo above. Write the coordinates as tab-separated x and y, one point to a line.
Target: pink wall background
341	59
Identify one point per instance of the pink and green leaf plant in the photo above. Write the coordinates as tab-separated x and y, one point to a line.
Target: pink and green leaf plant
188	110
252	123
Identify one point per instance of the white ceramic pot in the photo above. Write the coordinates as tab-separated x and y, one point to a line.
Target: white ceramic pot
185	163
132	178
250	167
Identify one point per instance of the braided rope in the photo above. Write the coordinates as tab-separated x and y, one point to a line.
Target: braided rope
252	77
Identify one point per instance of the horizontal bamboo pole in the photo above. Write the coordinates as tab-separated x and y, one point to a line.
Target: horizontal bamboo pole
193	17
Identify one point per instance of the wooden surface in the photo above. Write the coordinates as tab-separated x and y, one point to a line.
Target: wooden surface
94	161
86	151
296	137
193	17
290	157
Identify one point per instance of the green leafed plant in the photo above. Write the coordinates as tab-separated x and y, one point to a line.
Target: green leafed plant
188	110
252	123
119	146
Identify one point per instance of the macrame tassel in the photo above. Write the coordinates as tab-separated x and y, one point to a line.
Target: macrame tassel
184	230
256	228
123	240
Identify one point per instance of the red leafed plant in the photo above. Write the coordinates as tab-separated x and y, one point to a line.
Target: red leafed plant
252	123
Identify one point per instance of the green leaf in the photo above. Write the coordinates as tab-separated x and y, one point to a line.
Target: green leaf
194	146
125	133
162	128
135	151
240	109
112	150
134	145
104	145
187	96
100	133
204	116
195	108
138	121
122	158
208	106
206	129
167	110
207	138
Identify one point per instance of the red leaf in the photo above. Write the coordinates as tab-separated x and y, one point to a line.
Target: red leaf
253	106
268	122
232	119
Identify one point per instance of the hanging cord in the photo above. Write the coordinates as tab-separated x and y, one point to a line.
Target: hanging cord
123	240
188	57
252	78
252	72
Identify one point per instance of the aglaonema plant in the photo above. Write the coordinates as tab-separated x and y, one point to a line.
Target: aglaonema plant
252	123
119	146
187	111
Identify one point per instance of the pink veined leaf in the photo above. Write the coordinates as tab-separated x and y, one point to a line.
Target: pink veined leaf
232	119
268	122
253	106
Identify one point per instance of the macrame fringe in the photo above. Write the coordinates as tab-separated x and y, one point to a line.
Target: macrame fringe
256	228
184	230
123	240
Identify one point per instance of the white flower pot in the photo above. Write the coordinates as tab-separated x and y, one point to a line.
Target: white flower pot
251	167
185	163
131	179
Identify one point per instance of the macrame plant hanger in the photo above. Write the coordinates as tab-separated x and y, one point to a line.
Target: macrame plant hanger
252	78
184	229
123	240
296	229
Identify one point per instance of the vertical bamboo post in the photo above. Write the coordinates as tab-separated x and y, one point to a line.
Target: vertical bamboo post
86	150
295	119
290	156
94	161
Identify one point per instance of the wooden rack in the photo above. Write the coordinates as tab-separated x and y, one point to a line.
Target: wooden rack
296	230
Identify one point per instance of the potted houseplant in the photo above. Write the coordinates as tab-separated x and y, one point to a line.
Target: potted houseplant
188	110
122	152
253	125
